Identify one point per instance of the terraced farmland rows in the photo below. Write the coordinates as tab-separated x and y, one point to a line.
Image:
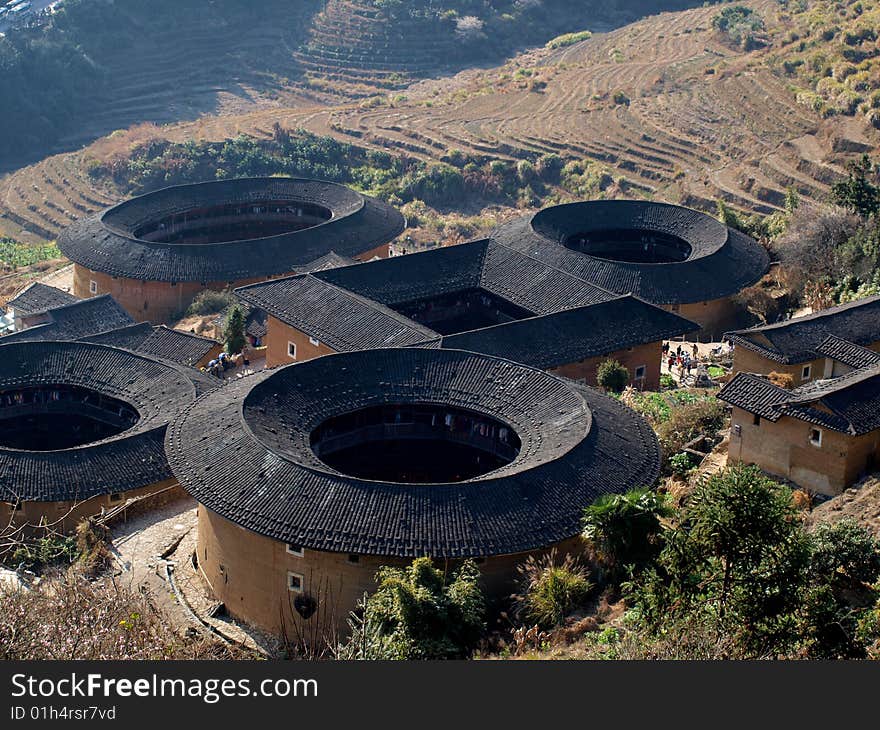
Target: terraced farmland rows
694	119
662	103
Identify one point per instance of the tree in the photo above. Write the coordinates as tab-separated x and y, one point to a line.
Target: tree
625	528
737	561
844	565
812	248
234	330
416	613
612	376
858	193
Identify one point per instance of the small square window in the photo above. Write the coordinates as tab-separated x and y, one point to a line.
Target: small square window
295	582
805	372
291	350
93	287
116	497
354	558
314	341
295	550
816	436
640	372
756	420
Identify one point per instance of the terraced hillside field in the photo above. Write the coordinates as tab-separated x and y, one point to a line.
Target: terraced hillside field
94	66
692	119
358	48
664	103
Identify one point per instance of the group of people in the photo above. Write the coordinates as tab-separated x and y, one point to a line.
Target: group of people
223	362
681	358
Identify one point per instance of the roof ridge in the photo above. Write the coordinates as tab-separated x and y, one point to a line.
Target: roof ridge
379	307
828	311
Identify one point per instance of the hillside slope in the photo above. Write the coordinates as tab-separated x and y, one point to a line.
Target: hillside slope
100	65
668	108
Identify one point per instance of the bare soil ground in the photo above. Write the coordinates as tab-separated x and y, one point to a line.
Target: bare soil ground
861	502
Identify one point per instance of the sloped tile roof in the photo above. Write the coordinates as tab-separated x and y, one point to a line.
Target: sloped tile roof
340	318
571	335
798	339
849	404
82	318
847	352
38	297
720	262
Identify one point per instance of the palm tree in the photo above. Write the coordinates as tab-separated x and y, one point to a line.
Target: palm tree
623	528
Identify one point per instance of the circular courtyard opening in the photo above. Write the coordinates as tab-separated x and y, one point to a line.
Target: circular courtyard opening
56	417
414	443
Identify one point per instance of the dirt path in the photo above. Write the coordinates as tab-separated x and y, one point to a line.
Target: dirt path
139	543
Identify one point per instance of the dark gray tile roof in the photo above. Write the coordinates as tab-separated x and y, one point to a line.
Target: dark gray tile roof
721	262
133	458
534	285
127	338
331	260
255	322
414	276
244	453
849	404
341	319
183	348
797	340
176	346
525	281
82	318
105	242
37	297
350	308
847	352
571	335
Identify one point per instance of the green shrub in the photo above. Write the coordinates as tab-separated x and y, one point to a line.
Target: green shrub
612	376
624	529
688	421
417	613
568	39
681	464
210	302
550	590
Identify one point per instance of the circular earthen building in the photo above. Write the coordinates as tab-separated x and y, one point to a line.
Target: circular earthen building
155	252
675	257
311	476
82	427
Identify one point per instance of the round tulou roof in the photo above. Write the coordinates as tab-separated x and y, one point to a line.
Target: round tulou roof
717	261
244	452
156	390
107	242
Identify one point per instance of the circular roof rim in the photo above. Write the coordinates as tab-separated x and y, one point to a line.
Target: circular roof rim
143	425
699	249
357	198
493	475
